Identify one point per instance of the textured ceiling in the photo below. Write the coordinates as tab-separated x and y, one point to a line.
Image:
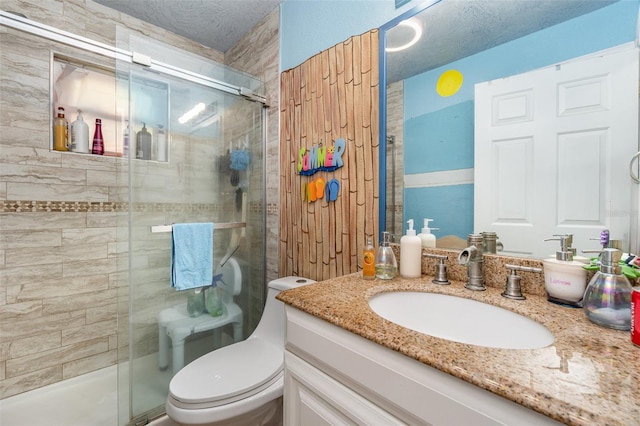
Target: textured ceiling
218	24
455	29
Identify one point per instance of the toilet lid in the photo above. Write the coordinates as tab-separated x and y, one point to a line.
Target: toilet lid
240	369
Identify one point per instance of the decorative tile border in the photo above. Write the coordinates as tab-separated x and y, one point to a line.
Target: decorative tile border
21	206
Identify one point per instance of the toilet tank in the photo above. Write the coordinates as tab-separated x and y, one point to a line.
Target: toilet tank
273	322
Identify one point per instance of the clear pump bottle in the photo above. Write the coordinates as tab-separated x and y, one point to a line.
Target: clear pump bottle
386	265
607	299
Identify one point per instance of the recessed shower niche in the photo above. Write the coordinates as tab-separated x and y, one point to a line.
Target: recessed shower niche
133	108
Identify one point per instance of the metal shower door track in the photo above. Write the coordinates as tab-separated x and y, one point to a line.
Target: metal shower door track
45	31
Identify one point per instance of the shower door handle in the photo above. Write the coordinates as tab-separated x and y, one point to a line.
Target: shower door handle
636	178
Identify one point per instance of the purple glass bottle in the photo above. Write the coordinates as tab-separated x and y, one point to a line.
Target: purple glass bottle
98	142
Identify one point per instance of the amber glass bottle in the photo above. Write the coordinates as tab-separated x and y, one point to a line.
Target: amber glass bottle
368	261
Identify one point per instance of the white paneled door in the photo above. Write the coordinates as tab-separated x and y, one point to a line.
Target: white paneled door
552	148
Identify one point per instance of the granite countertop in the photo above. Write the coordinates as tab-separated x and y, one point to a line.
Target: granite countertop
589	376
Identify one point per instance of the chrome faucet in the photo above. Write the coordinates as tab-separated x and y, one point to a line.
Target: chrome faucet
471	257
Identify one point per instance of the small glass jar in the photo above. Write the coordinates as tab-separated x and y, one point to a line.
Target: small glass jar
195	302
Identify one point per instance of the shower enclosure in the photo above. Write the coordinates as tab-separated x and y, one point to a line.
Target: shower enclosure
104	279
205	163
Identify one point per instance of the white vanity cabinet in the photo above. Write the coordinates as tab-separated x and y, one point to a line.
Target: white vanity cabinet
335	377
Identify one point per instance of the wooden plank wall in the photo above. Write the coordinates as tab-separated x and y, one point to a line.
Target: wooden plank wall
332	95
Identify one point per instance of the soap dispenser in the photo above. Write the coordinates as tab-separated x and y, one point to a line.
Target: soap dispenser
386	265
427	239
564	278
607	300
410	253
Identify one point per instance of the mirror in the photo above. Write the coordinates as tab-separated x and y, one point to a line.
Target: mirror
434	164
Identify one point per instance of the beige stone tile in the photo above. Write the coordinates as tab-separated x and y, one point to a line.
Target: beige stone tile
2	370
4	350
89	267
101	219
37	221
10	239
3	185
113	343
2	259
33	256
14	385
35	344
87	332
42	175
75	252
29	138
46	289
30	191
41	11
60	305
89	364
25	310
29	274
20	329
118	249
29	155
55	357
81	236
107	312
89	162
101	178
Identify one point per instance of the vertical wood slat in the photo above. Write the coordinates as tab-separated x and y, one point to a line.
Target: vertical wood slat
332	95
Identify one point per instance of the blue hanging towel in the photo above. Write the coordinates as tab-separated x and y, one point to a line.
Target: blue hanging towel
191	255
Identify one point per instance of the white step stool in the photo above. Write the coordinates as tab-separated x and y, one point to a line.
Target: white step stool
175	323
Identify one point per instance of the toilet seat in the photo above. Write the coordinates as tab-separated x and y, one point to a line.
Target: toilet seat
229	374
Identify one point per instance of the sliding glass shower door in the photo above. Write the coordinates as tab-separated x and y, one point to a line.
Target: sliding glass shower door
193	152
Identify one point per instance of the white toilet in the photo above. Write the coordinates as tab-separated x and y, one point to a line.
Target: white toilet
239	384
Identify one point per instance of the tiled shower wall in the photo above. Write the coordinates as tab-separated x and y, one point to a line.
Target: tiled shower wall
63	263
395	187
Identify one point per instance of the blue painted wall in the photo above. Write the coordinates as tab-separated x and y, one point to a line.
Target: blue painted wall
439	131
307	27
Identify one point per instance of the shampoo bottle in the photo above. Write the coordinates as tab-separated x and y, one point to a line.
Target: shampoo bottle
428	240
98	142
410	253
79	135
60	131
143	143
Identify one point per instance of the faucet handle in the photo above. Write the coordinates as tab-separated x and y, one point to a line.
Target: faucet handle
513	289
441	269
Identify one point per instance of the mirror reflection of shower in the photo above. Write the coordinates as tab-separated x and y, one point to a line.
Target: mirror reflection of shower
391	173
395	171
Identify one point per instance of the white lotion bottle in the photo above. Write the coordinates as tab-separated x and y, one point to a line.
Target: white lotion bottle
428	240
79	135
410	253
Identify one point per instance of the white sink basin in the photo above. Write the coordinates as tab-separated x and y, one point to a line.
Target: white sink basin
461	320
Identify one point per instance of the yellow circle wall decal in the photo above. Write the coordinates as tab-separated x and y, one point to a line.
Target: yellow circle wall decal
449	83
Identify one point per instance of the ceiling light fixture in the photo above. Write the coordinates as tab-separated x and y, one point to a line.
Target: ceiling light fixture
192	113
417	29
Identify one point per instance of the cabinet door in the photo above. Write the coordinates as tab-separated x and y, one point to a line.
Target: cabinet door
313	398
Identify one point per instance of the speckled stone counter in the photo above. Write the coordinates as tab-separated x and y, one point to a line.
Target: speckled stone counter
589	376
